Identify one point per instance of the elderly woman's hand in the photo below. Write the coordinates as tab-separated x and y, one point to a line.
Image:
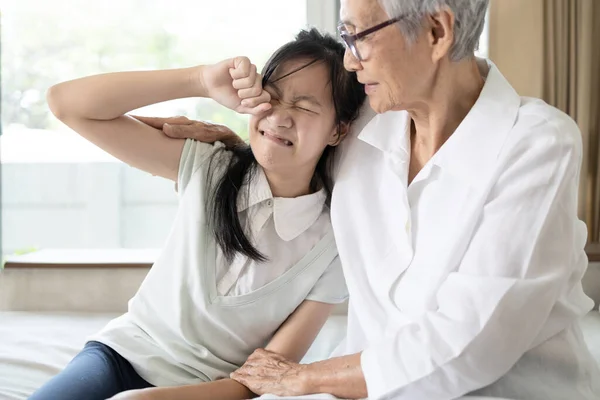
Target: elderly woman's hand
184	128
268	372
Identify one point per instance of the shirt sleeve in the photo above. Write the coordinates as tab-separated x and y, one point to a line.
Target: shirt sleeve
525	252
195	154
331	286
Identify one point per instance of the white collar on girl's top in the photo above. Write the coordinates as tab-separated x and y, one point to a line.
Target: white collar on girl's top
291	216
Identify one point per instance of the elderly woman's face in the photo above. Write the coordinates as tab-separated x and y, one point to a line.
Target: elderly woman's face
397	76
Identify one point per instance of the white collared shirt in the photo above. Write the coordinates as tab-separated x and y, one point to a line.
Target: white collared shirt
468	280
282	229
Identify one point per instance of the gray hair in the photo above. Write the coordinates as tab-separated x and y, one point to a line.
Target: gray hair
469	20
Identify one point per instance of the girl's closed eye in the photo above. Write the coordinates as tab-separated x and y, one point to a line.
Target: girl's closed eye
306	109
276	101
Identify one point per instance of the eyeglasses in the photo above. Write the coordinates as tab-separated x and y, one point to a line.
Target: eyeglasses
350	40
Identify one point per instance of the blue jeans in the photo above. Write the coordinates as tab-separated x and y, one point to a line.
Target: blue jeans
96	373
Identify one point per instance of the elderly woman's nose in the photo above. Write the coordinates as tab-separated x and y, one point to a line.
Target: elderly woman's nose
351	63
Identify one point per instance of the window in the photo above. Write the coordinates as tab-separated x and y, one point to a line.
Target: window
58	191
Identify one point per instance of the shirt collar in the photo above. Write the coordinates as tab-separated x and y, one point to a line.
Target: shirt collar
291	216
389	132
476	142
472	150
258	191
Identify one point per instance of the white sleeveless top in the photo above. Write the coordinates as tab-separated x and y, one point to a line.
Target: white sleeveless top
179	329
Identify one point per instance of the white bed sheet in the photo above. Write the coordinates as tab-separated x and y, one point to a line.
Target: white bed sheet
36	346
591	333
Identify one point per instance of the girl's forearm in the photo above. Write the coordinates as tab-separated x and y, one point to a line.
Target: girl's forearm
224	389
108	96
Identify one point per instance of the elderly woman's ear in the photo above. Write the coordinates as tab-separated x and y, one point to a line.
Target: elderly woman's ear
441	33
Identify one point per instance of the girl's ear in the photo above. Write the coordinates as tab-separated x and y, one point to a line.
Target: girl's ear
339	133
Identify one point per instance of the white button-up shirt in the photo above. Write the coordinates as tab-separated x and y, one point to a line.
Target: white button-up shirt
468	280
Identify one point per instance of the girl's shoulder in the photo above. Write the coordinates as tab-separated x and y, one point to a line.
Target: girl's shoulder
197	157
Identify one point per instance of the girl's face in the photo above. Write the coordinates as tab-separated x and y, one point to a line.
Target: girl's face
291	136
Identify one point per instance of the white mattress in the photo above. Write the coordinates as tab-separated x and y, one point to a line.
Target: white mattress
591	332
36	346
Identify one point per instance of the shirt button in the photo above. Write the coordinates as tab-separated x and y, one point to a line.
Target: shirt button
407	226
270	203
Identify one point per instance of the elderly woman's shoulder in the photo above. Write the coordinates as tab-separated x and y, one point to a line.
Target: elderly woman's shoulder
540	125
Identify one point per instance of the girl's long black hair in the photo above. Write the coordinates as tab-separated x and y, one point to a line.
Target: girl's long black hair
348	95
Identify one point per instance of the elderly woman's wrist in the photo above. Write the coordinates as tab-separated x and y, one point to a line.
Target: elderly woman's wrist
309	378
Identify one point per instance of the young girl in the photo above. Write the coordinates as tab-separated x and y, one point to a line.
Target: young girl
251	259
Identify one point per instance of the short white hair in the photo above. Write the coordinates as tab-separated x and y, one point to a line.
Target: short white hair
469	20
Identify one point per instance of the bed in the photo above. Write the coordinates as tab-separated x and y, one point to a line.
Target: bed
35	346
37	341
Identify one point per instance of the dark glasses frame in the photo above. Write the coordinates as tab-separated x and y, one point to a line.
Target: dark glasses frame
350	40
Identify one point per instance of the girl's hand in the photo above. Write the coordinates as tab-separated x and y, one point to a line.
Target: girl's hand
236	84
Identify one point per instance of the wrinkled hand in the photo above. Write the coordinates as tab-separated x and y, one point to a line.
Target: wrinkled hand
236	84
268	372
184	128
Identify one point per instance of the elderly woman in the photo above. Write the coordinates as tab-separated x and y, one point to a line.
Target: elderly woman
455	215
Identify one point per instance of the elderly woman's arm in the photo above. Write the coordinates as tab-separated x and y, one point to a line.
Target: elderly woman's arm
184	128
526	248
